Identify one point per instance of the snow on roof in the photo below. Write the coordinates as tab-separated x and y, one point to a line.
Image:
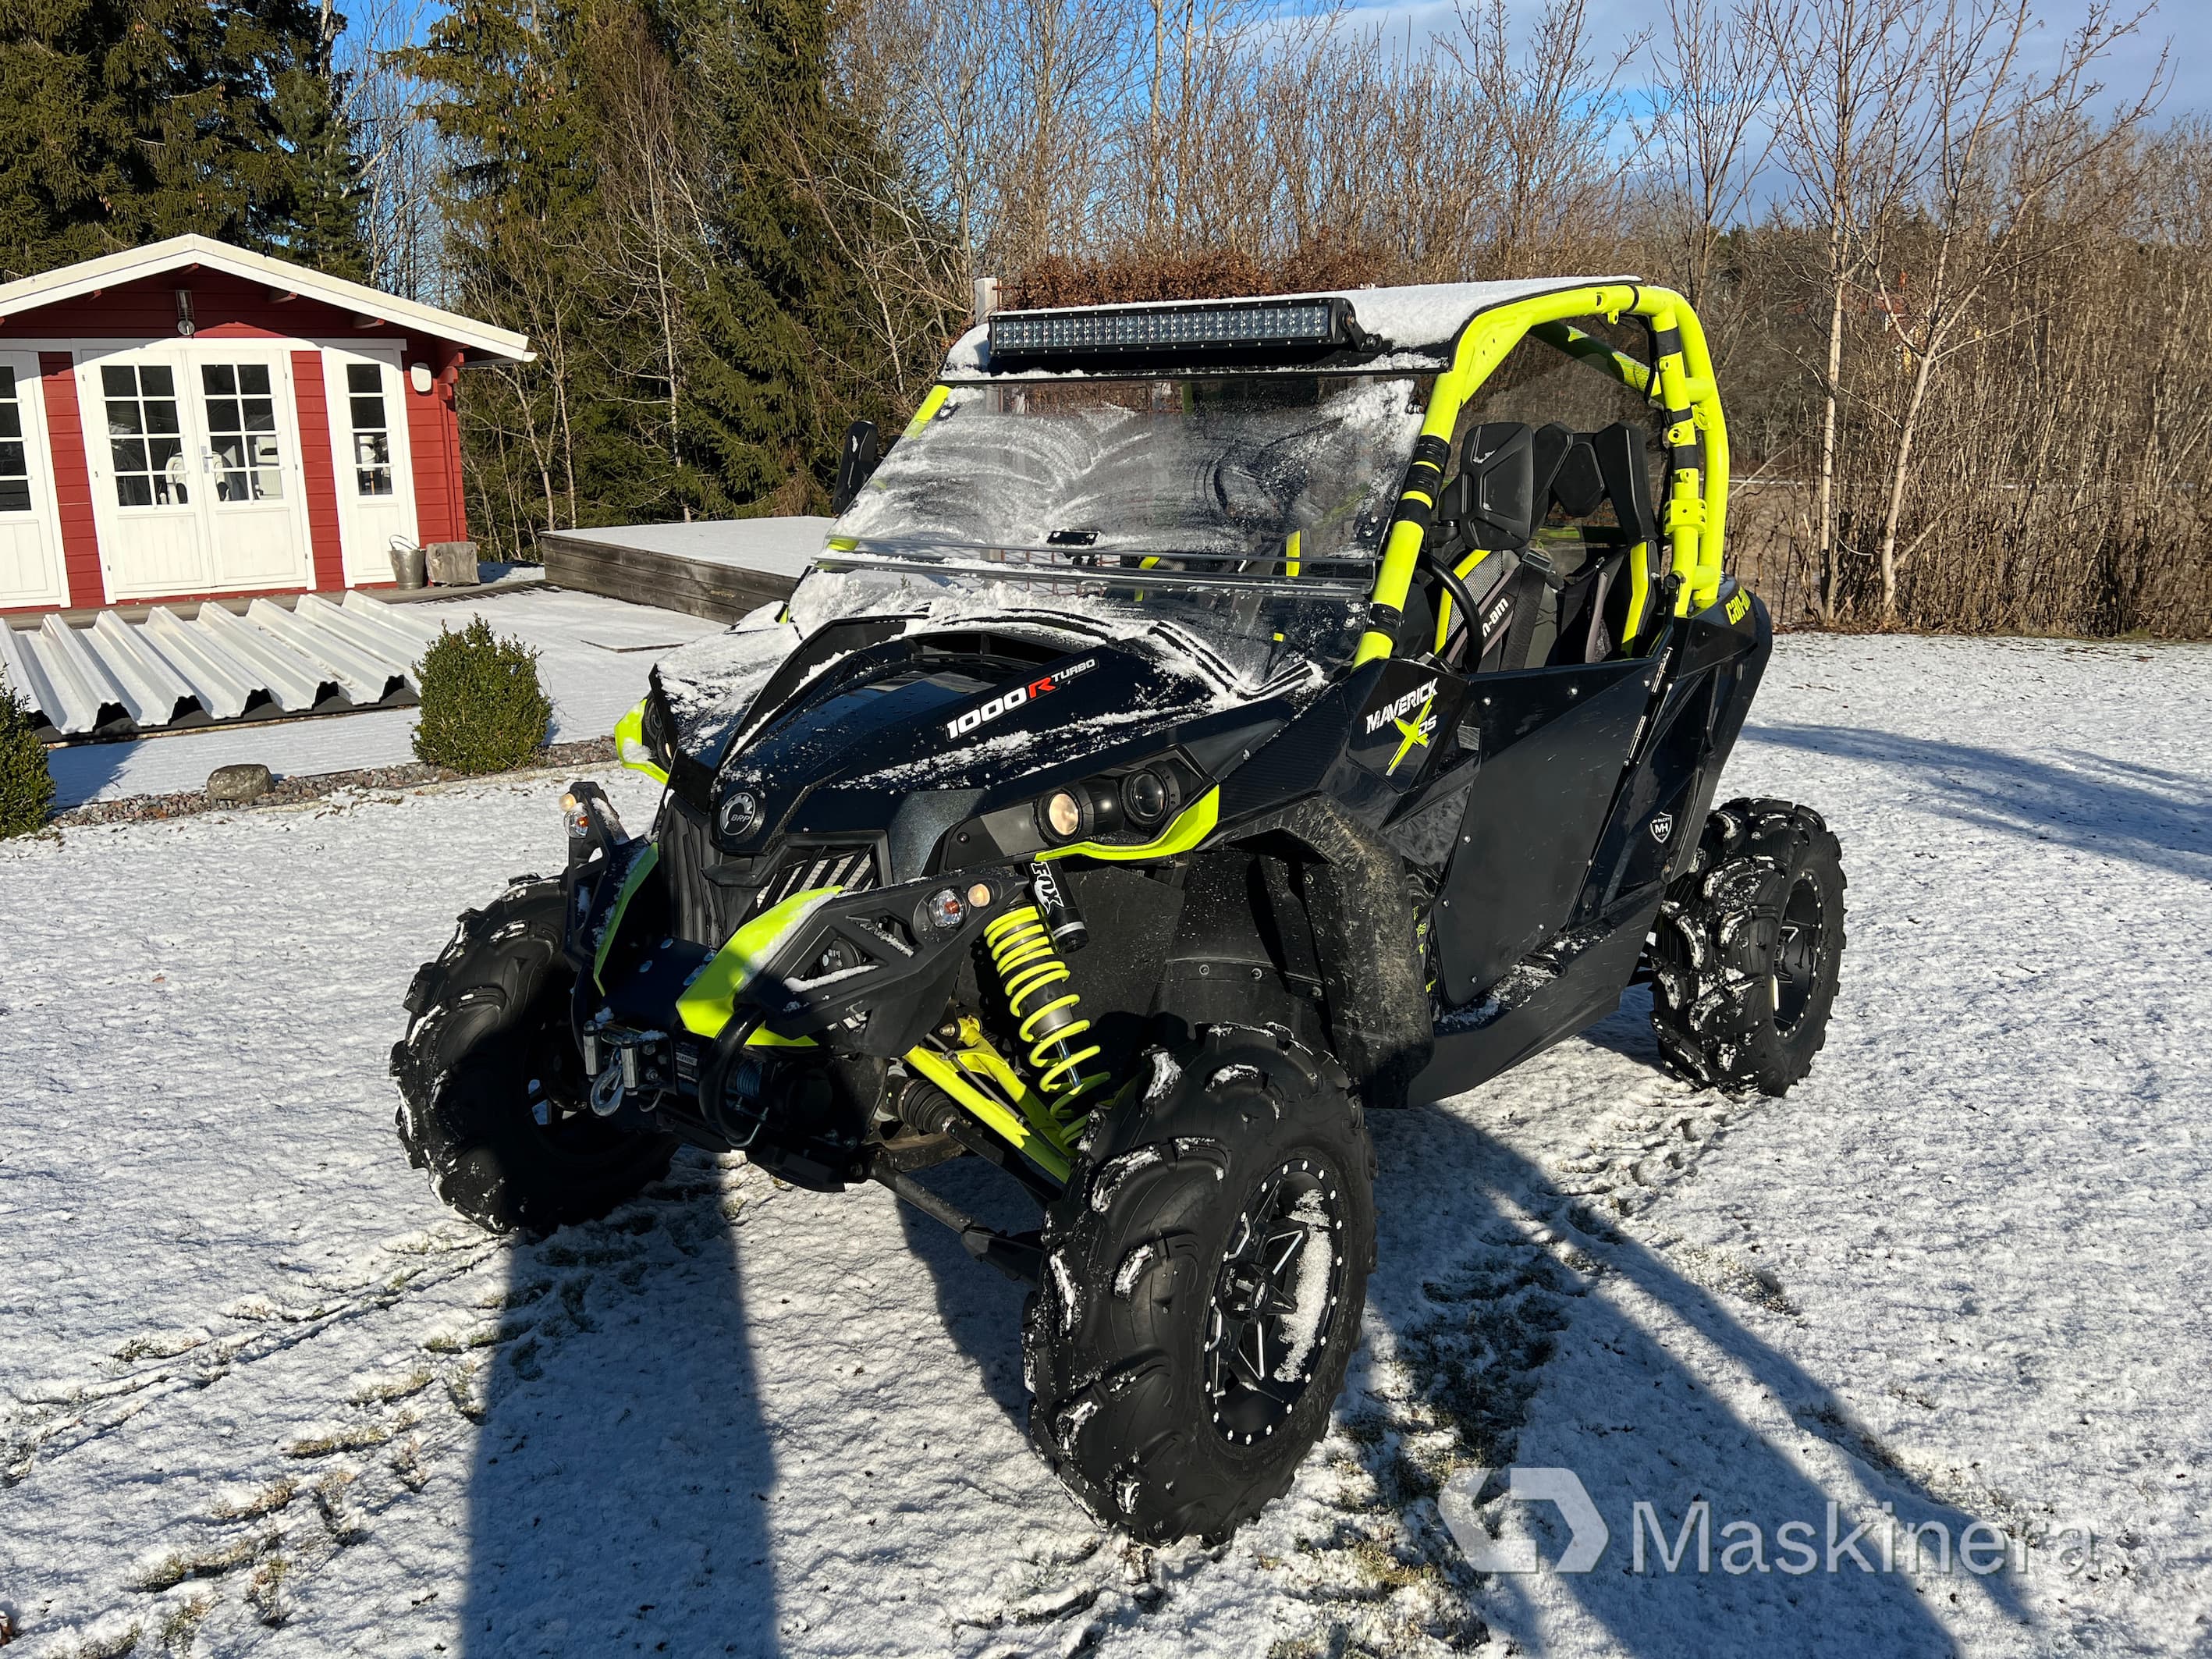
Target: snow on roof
180	252
1421	323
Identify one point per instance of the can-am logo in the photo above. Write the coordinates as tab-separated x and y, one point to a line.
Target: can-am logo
1382	716
1007	702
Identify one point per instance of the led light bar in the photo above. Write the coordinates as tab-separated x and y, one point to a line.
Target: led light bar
1153	329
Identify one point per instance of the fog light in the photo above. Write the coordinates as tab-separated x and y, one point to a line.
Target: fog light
1063	816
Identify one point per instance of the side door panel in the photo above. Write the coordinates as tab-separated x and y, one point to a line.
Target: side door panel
367	391
1553	743
142	445
30	542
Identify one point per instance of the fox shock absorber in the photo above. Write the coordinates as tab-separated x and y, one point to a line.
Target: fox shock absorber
1043	1002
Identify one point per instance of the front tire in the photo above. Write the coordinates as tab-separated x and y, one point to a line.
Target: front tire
492	1096
1745	951
1204	1279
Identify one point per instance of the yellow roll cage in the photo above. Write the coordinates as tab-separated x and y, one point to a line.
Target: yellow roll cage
1696	518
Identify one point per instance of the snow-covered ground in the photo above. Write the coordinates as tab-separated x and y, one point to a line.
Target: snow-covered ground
250	1372
592	656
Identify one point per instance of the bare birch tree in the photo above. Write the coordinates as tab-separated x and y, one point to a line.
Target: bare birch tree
1848	72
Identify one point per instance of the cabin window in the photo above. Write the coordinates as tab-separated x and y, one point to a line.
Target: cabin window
242	421
372	434
144	441
14	465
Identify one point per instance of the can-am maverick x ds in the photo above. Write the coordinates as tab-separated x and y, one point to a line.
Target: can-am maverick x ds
1209	723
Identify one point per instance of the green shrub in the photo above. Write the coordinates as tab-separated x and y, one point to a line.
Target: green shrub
27	788
482	708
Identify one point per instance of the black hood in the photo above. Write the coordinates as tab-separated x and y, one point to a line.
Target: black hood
975	720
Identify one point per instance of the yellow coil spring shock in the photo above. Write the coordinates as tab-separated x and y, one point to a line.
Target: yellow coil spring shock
1029	969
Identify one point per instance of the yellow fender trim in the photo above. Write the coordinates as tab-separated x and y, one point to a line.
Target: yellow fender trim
633	878
630	749
707	1003
1184	831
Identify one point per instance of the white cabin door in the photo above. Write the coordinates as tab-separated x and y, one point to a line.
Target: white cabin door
31	570
367	392
253	493
145	468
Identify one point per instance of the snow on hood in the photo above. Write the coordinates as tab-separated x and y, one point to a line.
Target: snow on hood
1421	322
709	683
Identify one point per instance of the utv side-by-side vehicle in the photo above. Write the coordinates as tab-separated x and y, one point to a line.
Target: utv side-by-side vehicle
1211	723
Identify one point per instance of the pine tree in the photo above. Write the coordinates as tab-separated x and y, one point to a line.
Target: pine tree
125	121
789	367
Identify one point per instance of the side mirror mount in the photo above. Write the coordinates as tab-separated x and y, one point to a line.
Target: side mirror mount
856	464
1499	464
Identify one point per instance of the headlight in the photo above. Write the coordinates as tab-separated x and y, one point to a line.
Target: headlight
1091	808
740	814
1148	796
1063	816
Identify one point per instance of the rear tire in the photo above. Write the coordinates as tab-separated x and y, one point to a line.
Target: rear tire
1204	1279
492	1097
1746	949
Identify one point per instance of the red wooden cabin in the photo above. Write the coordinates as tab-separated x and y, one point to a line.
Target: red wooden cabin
188	419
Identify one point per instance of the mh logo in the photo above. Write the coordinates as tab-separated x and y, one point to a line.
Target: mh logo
1662	825
1586	1530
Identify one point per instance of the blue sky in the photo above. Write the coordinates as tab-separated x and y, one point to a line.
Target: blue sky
2130	66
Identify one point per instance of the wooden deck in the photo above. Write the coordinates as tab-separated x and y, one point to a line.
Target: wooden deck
717	570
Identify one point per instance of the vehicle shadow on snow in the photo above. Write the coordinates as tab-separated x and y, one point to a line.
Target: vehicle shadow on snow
614	1506
2145	814
981	1308
1521	1353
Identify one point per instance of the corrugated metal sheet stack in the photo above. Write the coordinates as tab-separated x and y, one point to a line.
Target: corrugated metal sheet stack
115	677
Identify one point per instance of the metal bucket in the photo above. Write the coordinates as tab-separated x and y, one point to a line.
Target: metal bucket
409	565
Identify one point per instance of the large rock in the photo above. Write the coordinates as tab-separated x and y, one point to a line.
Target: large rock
248	780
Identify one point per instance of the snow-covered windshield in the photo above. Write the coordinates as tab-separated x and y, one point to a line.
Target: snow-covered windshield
1246	639
1281	476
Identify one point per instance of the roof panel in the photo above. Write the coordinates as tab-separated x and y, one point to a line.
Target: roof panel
74	281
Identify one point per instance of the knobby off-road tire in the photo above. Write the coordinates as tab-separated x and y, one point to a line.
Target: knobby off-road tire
492	1087
1222	1230
1745	951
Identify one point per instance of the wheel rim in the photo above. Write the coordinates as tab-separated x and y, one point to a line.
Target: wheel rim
1276	1300
1799	951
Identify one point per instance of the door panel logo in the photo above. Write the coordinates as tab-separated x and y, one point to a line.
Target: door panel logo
1662	826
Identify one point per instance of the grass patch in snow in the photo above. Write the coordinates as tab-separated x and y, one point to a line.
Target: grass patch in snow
342	1519
172	1567
159	1344
180	1624
359	1436
109	1638
382	1390
407	1463
264	1591
246	1505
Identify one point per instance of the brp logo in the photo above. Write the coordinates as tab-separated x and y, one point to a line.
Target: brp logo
1586	1530
1662	827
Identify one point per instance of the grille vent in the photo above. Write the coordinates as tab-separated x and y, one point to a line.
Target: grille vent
852	868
